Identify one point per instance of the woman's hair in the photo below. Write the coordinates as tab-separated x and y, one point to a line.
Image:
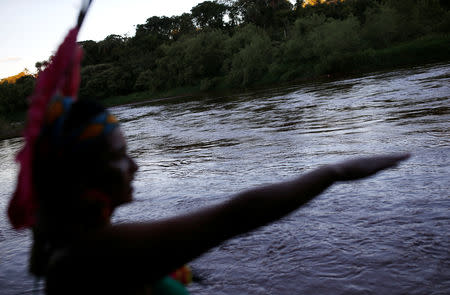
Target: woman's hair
64	169
62	164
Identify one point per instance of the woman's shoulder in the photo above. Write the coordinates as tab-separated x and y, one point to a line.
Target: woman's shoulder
74	271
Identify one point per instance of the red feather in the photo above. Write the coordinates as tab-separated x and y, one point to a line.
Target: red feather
61	76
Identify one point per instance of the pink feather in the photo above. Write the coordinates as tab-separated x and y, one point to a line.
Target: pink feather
61	76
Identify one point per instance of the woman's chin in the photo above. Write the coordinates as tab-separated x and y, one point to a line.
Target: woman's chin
126	197
129	196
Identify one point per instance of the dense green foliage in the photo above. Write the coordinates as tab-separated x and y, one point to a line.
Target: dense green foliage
240	43
13	96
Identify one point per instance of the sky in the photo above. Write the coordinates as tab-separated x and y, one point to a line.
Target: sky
31	30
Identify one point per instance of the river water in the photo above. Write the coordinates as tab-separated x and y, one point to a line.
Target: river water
385	235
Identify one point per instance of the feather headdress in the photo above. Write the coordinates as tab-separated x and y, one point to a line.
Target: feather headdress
62	76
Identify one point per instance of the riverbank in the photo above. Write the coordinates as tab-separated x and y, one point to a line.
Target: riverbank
426	50
12	125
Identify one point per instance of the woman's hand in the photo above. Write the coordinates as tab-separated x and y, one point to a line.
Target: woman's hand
366	166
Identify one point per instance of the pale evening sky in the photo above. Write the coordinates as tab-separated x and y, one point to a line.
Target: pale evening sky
31	30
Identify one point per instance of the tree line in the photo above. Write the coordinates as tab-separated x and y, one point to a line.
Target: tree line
228	44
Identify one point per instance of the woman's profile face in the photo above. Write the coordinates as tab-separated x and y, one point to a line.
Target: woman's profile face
120	169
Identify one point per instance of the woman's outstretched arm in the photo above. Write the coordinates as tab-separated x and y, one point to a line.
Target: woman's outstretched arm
166	244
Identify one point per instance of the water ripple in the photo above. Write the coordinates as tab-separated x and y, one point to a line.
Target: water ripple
384	235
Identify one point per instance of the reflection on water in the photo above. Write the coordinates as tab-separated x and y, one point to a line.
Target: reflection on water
385	235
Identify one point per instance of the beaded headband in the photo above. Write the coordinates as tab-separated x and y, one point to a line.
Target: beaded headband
56	115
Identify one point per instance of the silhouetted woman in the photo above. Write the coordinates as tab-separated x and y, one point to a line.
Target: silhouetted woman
75	171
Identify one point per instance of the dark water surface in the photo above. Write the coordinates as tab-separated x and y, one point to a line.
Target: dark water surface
389	234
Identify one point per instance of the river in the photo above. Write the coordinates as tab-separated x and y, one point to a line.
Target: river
385	235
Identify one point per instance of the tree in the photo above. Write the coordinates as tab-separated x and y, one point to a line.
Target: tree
299	4
257	12
162	27
111	48
382	26
209	14
41	65
263	13
250	53
91	53
182	25
14	92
